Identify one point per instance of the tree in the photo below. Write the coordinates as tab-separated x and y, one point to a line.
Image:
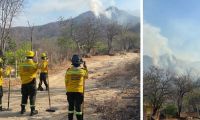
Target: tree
112	29
31	28
182	85
156	87
89	30
8	10
74	33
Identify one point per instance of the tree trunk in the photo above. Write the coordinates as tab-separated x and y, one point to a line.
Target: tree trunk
179	105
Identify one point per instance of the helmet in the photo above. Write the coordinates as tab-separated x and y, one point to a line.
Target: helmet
76	60
43	55
30	54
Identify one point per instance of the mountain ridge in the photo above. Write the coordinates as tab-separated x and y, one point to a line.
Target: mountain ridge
52	29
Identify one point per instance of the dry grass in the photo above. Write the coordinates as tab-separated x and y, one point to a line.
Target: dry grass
124	106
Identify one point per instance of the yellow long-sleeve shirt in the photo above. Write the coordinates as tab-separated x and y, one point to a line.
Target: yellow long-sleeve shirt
74	79
1	76
28	71
44	66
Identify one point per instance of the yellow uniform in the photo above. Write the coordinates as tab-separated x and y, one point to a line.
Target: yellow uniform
1	76
44	66
28	71
74	79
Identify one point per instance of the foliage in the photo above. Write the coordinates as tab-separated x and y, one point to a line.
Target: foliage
18	55
170	110
101	47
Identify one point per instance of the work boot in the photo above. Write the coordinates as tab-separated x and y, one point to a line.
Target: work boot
70	116
79	117
40	89
33	111
23	110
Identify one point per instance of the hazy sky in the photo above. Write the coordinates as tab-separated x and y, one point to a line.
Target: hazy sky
40	12
175	26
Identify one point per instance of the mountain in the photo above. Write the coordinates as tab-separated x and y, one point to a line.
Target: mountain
121	16
52	30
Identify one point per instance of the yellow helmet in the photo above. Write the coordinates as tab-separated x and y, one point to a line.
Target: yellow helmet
30	54
43	55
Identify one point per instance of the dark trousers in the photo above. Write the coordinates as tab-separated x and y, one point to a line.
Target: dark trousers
43	79
75	100
29	90
1	95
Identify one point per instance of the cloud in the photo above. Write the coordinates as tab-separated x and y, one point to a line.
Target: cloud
154	43
46	6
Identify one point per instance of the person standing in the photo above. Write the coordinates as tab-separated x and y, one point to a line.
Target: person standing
28	72
74	82
44	72
1	83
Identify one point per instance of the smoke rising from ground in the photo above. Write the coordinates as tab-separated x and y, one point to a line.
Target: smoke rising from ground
155	44
98	8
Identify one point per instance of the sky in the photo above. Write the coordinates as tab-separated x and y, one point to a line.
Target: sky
172	27
39	12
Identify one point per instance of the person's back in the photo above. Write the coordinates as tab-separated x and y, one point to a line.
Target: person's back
74	81
43	72
28	73
75	77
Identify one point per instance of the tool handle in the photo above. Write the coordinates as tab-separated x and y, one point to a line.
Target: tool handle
84	64
9	92
49	91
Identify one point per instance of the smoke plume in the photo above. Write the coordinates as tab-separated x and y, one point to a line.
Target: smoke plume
98	8
155	44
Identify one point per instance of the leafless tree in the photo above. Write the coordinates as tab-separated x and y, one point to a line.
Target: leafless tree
123	36
8	10
74	35
89	30
112	29
183	84
156	87
31	28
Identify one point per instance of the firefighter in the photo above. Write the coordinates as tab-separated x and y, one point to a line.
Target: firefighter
74	82
44	72
28	73
1	83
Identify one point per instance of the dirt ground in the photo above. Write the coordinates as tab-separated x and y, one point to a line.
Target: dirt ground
106	89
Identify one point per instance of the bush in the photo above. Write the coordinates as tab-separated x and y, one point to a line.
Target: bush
101	48
170	110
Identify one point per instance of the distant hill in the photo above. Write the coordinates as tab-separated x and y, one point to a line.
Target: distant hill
52	30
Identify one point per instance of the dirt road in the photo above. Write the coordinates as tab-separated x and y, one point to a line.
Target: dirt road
96	94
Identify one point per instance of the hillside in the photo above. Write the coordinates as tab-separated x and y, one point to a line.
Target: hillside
53	30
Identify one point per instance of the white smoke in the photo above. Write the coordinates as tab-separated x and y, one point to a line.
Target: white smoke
155	44
98	8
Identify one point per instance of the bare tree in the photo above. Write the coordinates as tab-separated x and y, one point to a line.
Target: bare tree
89	31
123	36
156	87
74	35
112	29
182	85
8	10
31	28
